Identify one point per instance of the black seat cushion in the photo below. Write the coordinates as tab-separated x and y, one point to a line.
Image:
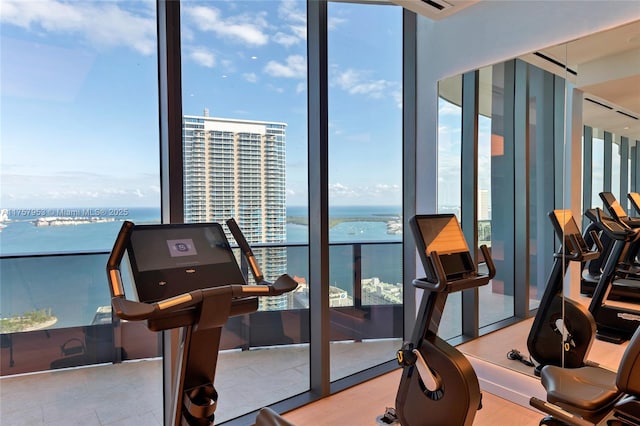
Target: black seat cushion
589	389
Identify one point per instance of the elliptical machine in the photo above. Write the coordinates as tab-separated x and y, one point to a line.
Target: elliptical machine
438	384
187	277
563	330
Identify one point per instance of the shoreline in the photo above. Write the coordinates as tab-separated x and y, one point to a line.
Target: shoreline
33	327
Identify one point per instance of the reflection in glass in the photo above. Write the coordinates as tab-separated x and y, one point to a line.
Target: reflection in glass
449	181
597	171
615	171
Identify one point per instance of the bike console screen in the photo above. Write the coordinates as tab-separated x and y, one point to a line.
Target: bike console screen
168	260
442	234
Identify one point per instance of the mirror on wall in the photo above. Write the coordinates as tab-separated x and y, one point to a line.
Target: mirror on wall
554	129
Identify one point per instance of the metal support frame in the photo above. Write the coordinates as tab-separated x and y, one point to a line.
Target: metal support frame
608	157
409	121
318	167
469	195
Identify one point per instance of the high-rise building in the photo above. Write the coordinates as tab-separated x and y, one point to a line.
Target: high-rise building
236	168
484	205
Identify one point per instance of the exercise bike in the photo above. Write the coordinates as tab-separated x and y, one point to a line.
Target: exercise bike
563	330
438	384
187	277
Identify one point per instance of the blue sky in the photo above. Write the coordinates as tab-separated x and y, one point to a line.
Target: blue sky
79	95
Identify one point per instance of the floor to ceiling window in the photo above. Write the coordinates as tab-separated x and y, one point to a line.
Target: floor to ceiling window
365	184
616	153
244	134
449	180
79	131
597	171
518	159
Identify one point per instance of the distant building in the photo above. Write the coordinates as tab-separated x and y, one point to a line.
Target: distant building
376	292
236	168
484	205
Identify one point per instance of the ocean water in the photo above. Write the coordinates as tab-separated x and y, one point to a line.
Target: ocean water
21	236
74	286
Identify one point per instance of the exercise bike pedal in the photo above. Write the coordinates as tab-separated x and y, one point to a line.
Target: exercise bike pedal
390	417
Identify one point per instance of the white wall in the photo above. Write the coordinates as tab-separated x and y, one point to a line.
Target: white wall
486	33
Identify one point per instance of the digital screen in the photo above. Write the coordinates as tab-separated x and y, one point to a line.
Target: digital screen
565	226
168	260
442	234
169	247
182	247
635	200
613	205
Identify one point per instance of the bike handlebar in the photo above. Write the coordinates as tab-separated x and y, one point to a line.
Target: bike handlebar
137	311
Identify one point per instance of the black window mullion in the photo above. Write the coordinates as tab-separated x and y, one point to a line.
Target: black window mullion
469	195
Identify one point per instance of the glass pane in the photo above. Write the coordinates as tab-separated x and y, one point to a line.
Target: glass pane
487	293
597	171
449	181
365	178
79	131
496	298
245	156
541	180
615	172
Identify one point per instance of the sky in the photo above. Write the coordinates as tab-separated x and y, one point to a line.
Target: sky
79	100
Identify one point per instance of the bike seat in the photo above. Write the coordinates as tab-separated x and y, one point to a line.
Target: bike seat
588	389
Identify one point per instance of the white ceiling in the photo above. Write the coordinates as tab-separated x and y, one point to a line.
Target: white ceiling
435	9
607	67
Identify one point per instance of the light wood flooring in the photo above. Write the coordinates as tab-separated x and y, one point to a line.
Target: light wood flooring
360	405
102	395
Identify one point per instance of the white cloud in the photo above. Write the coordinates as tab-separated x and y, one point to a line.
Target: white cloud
202	56
446	108
339	190
286	39
397	96
295	67
251	77
245	29
102	24
295	31
380	193
79	188
354	82
335	22
288	11
299	31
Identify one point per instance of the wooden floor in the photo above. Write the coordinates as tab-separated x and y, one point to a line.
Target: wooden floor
359	406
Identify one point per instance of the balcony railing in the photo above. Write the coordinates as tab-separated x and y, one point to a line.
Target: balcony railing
56	309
